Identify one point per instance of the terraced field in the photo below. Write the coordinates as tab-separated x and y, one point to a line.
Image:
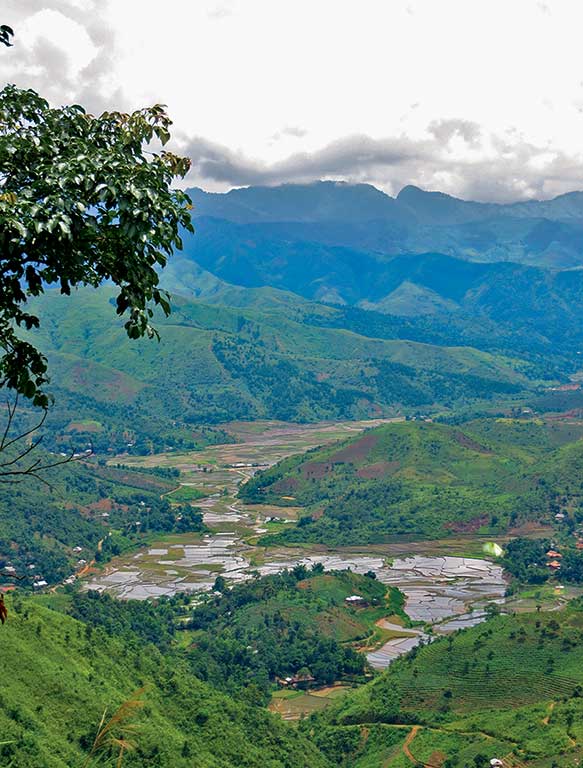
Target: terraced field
506	662
511	688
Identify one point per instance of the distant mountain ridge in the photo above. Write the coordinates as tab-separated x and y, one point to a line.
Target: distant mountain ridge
440	208
336	242
334	200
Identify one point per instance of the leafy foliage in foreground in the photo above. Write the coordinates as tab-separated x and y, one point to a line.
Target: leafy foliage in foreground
64	674
428	479
81	203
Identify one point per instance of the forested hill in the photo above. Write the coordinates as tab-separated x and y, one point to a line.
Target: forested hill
273	356
425	479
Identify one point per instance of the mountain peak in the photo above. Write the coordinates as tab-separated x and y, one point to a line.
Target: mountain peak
319	201
411	192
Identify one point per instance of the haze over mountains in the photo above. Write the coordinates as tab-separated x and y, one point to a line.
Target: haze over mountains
249	233
421	253
417	254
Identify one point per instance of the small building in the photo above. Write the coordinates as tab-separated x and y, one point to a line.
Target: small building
579	544
40	584
355	600
551	553
496	763
301	681
554	564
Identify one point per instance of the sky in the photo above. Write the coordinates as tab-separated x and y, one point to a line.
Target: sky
482	99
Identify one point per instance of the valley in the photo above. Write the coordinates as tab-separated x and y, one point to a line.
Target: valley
368	456
295	558
446	583
291	385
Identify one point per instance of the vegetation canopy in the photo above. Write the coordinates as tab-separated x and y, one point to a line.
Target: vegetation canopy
81	202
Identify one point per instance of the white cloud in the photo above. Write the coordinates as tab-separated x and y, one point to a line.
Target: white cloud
498	168
65	49
480	98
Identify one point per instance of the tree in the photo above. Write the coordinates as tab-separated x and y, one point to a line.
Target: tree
6	33
81	201
492	610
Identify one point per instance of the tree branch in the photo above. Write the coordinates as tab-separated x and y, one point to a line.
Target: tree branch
10	471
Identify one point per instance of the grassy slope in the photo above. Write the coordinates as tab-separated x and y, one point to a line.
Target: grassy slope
266	359
422	478
319	601
509	688
58	680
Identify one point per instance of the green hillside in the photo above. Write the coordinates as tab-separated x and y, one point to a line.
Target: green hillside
216	363
427	479
61	675
509	689
246	637
506	309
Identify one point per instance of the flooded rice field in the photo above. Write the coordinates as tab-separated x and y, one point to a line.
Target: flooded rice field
444	591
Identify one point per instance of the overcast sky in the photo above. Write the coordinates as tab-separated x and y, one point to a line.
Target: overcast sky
479	98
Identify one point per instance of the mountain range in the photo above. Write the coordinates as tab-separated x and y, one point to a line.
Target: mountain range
331	241
419	254
285	308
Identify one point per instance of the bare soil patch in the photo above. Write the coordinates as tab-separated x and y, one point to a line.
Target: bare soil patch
467	526
315	470
356	451
467	442
286	485
377	470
